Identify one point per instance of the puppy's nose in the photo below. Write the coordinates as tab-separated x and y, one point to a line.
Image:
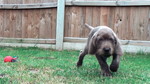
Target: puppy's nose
106	49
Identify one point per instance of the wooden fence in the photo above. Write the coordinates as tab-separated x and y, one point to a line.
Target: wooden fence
60	24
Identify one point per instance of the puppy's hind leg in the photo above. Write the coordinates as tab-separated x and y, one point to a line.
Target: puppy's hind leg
81	57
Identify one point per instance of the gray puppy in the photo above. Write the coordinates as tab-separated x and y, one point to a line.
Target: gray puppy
103	43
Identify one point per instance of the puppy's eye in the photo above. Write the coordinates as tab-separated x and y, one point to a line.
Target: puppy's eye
100	40
110	39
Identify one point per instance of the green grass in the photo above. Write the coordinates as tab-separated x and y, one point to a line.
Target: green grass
41	66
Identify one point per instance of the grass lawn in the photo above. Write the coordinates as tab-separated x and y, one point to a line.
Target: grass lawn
40	66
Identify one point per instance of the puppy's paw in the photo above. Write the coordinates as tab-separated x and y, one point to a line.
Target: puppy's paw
107	74
79	64
113	68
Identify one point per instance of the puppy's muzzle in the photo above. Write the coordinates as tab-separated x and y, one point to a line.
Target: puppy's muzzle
106	50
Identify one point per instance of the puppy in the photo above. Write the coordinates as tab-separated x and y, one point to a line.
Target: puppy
103	43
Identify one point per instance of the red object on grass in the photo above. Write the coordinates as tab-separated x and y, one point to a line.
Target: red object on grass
9	59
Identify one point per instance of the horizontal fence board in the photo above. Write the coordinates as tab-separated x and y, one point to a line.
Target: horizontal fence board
75	39
108	3
134	42
51	46
91	3
27	40
67	39
133	3
28	6
77	46
126	48
123	42
75	3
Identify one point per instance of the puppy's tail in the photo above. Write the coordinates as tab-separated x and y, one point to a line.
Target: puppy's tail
88	26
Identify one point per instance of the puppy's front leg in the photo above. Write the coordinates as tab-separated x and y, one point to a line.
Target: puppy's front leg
104	66
115	63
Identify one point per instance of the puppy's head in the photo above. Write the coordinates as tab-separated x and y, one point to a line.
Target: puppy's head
103	42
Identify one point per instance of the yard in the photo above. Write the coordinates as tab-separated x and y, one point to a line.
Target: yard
38	66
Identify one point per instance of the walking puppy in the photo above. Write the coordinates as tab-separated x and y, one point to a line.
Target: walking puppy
103	43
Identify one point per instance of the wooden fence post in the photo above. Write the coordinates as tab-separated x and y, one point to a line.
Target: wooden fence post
60	24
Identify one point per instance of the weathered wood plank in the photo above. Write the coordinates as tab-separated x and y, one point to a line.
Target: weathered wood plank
12	22
133	3
75	3
73	22
80	22
47	23
104	16
51	46
111	19
123	42
7	28
39	23
88	19
126	48
74	39
18	25
107	3
148	28
76	17
77	46
53	23
91	3
28	6
121	22
67	30
1	23
35	26
133	42
26	40
44	24
83	21
34	17
14	19
60	24
96	16
139	26
27	21
143	24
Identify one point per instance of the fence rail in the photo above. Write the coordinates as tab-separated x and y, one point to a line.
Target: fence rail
108	3
123	42
27	40
75	3
29	6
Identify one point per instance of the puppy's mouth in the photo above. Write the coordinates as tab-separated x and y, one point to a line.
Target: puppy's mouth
107	54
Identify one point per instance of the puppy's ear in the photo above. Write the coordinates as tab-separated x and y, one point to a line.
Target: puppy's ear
92	45
118	49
